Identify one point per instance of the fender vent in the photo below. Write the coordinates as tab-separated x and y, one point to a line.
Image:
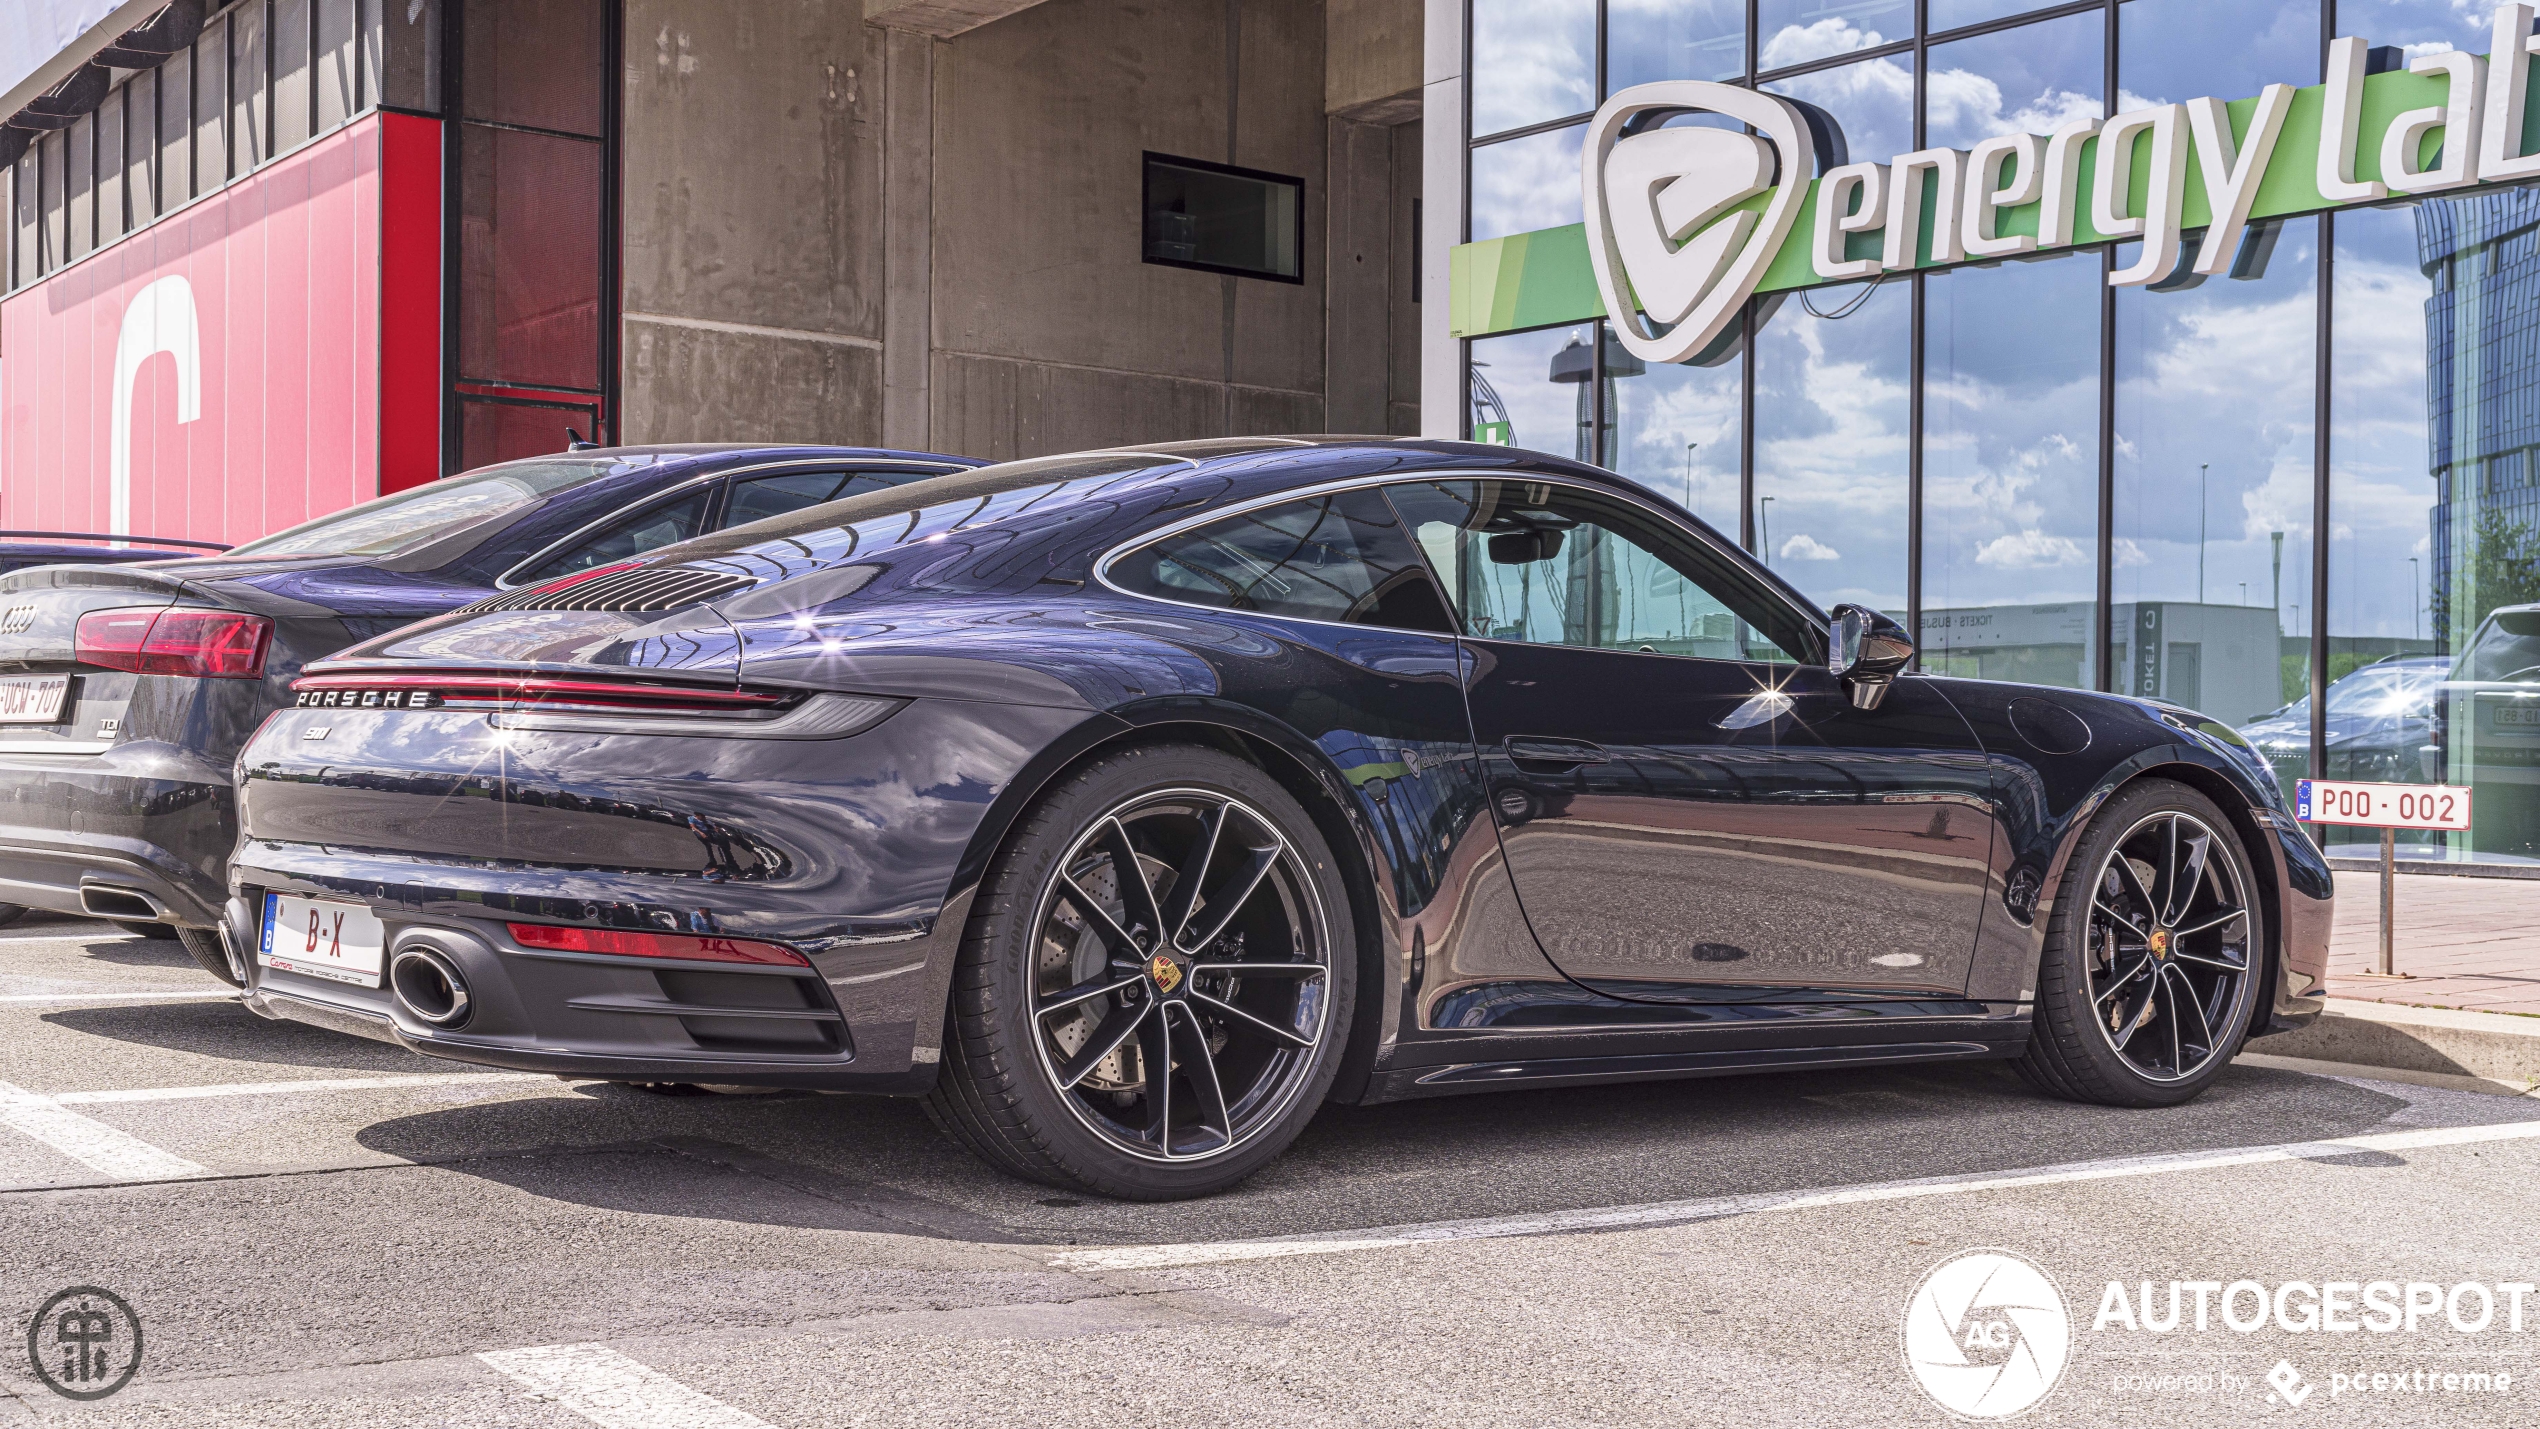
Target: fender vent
622	587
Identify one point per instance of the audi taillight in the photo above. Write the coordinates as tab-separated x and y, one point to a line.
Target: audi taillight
620	943
213	644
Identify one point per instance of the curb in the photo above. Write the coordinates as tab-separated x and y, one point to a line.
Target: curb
2494	1046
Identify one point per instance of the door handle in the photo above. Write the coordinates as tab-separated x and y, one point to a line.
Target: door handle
1543	749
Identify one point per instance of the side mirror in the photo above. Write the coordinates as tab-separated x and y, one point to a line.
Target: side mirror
1866	650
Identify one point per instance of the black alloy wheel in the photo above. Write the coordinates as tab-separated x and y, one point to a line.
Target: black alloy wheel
2154	944
1156	984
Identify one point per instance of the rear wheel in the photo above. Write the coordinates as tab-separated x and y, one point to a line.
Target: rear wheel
1155	984
2150	972
207	949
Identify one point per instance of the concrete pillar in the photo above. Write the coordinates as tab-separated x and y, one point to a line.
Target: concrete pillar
908	237
1359	278
1442	190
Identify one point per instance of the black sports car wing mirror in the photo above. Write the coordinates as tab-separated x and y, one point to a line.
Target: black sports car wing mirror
1866	650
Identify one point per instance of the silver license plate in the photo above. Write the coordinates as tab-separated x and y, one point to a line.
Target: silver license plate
33	699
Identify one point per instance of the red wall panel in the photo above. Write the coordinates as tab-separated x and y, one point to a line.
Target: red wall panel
250	329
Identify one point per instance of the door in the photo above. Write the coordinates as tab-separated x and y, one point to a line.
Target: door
1690	805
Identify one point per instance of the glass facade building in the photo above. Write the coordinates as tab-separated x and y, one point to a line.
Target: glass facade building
2302	497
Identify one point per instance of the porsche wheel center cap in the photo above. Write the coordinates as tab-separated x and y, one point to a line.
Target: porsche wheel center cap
2161	943
1166	973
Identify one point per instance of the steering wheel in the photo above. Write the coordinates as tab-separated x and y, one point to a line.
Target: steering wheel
2526	672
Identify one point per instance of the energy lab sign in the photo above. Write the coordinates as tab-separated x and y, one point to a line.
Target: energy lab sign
1685	223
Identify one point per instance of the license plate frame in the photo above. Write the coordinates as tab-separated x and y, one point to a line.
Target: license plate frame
342	941
34	699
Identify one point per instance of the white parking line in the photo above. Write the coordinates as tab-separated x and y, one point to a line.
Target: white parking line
615	1392
171	995
90	1142
268	1089
1149	1257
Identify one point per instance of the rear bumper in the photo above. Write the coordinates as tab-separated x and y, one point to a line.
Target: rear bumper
592	1016
146	819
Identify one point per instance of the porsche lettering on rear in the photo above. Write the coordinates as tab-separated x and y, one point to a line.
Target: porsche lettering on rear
368	699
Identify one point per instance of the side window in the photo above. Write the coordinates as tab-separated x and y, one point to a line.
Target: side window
628	536
1556	565
1341	558
755	498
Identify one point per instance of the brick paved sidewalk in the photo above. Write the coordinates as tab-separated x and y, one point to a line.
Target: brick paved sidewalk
2468	942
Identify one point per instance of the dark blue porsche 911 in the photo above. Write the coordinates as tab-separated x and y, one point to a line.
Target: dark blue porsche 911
1129	805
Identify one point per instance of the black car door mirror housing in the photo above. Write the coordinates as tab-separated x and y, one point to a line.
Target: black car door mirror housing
1866	650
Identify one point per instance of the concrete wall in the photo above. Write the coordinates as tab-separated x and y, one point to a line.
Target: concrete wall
838	231
1049	333
754	273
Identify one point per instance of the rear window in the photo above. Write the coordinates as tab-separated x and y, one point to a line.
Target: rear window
2507	649
1342	558
409	518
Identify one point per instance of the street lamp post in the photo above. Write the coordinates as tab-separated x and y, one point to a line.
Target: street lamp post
2278	604
2200	531
1764	507
2415	603
1689	499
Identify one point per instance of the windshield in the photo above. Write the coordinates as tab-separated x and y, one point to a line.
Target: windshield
393	523
2385	692
2507	648
2375	692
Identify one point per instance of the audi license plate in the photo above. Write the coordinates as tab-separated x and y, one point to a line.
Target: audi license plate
33	699
322	938
2518	714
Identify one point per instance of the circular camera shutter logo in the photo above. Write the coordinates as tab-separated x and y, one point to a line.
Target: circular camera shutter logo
1986	1334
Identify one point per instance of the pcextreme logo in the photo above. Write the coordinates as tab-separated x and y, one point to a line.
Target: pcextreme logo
1987	1334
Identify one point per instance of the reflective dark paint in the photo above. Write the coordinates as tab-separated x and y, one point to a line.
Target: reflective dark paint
131	789
1928	827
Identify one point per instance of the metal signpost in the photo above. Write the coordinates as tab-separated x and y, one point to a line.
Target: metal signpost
2389	808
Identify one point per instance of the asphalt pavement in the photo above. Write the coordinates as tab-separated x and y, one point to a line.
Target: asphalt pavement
314	1230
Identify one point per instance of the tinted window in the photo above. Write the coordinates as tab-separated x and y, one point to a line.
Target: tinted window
629	536
393	523
1555	565
756	498
1341	558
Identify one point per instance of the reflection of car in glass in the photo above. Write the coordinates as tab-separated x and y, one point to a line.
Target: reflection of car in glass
2381	723
1132	804
2487	731
126	690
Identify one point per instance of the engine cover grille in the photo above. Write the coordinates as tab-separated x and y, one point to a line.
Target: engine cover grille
633	588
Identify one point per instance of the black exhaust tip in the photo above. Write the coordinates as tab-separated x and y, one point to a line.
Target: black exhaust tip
430	986
100	901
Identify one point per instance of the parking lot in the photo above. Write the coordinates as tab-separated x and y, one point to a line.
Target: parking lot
318	1230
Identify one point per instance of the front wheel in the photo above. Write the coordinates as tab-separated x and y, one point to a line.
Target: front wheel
1156	981
2151	968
